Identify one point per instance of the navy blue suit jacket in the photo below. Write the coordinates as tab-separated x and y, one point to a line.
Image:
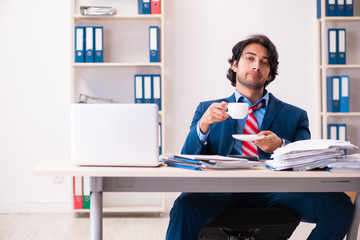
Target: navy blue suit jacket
286	121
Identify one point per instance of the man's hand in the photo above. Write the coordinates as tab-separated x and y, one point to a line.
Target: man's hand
269	143
215	113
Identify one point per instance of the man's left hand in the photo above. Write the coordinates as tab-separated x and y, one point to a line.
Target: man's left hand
269	143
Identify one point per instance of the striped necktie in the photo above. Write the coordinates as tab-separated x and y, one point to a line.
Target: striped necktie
251	127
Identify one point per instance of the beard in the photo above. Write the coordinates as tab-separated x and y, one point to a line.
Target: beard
250	83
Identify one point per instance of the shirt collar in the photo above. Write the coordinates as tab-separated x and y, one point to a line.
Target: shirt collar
245	100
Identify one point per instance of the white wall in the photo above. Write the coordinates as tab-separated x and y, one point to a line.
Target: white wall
35	70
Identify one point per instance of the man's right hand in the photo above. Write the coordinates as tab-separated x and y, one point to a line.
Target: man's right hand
215	113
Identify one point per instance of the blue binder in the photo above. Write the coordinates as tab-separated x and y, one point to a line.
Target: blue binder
333	131
332	46
337	131
330	8
89	44
333	93
160	138
344	93
139	88
99	44
154	43
147	79
349	8
341	46
156	87
318	9
342	133
340	8
79	44
144	7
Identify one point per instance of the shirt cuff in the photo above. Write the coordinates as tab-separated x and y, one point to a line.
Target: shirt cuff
201	136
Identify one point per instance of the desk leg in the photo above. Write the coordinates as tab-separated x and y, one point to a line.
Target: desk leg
96	207
353	232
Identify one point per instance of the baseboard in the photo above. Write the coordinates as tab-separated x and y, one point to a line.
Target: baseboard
34	207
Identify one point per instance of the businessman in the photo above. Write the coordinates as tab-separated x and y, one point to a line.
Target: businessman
253	66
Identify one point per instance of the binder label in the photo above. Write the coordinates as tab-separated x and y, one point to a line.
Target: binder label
98	39
345	87
79	40
153	37
336	89
147	88
341	41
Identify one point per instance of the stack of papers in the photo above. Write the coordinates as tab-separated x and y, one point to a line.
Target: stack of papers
308	154
90	99
95	10
349	164
200	162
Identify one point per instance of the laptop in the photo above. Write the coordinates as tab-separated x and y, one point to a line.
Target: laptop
115	134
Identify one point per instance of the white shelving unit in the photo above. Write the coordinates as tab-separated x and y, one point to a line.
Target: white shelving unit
126	53
351	68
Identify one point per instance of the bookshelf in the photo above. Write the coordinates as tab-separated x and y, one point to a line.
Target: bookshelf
125	54
351	68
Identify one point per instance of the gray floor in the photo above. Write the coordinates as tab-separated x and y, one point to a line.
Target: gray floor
68	227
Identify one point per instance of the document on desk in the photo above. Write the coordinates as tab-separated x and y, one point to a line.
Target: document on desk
349	164
200	162
308	154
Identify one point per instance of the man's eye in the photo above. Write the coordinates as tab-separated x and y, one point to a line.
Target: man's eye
250	58
265	63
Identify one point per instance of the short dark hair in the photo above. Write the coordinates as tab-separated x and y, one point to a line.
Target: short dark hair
239	48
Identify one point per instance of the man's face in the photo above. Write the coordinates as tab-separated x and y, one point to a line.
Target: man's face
252	70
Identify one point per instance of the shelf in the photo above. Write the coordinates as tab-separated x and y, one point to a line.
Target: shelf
119	17
127	209
350	18
341	114
108	64
341	66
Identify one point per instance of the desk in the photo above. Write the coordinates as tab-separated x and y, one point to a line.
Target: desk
168	179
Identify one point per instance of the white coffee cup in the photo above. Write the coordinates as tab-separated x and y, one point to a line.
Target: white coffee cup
238	110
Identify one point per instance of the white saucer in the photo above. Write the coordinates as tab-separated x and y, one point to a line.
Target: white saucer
247	137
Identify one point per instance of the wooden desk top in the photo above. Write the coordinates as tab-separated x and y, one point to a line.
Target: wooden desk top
63	167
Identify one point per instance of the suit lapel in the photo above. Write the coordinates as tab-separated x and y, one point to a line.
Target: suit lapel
272	110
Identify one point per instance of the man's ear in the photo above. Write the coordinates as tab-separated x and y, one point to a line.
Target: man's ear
234	66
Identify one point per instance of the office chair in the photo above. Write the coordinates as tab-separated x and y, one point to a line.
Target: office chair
252	224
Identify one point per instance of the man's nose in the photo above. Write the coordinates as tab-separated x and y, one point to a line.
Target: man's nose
256	65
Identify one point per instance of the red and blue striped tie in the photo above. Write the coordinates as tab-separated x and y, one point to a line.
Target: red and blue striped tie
251	127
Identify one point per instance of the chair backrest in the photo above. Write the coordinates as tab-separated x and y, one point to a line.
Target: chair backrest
259	223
